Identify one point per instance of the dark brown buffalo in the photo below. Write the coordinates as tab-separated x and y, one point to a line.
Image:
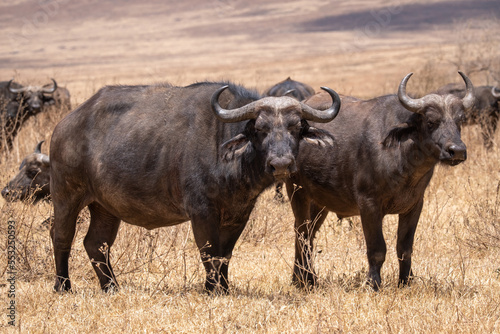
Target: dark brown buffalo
292	88
157	156
485	112
32	181
18	103
383	157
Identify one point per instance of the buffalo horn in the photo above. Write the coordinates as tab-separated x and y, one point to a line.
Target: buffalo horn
50	90
38	148
414	105
233	115
15	90
494	93
469	98
323	116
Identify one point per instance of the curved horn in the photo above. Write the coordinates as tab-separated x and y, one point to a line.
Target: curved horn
231	115
50	90
15	90
414	105
494	93
290	91
323	116
38	148
469	98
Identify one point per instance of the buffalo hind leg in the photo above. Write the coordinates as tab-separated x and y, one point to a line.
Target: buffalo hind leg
376	249
406	232
100	237
62	233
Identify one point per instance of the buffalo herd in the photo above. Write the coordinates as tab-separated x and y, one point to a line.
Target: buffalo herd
159	155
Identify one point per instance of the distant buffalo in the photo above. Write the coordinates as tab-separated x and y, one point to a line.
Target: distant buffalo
292	88
485	112
32	182
381	161
159	155
18	103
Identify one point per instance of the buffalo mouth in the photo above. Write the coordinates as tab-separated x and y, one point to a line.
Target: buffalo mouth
281	176
12	196
452	162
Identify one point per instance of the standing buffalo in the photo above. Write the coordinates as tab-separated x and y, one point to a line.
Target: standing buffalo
289	87
157	156
32	181
383	157
485	112
292	88
18	103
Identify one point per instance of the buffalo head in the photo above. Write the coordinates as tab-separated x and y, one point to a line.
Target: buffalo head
32	181
441	117
34	96
292	88
275	128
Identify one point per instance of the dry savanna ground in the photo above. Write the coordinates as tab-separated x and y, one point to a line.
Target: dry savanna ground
362	48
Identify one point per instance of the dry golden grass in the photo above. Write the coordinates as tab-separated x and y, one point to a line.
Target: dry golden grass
457	246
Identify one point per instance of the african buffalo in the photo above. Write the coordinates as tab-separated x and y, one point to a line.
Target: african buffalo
292	88
485	112
382	159
18	103
160	155
32	181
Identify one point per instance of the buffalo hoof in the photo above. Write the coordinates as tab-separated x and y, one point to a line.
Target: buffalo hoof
375	283
62	285
404	282
216	288
110	287
304	281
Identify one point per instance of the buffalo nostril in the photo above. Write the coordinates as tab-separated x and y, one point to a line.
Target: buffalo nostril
457	152
5	192
280	165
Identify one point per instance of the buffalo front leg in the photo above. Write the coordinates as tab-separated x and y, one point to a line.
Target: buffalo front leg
376	249
100	237
308	219
207	236
216	241
406	232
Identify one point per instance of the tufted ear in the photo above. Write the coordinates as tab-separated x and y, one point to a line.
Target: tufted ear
317	136
234	147
398	134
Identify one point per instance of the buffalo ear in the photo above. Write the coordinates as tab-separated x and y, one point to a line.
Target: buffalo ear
318	137
234	147
397	134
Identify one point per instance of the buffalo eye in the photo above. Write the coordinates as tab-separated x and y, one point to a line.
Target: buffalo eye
32	173
432	124
261	126
295	126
